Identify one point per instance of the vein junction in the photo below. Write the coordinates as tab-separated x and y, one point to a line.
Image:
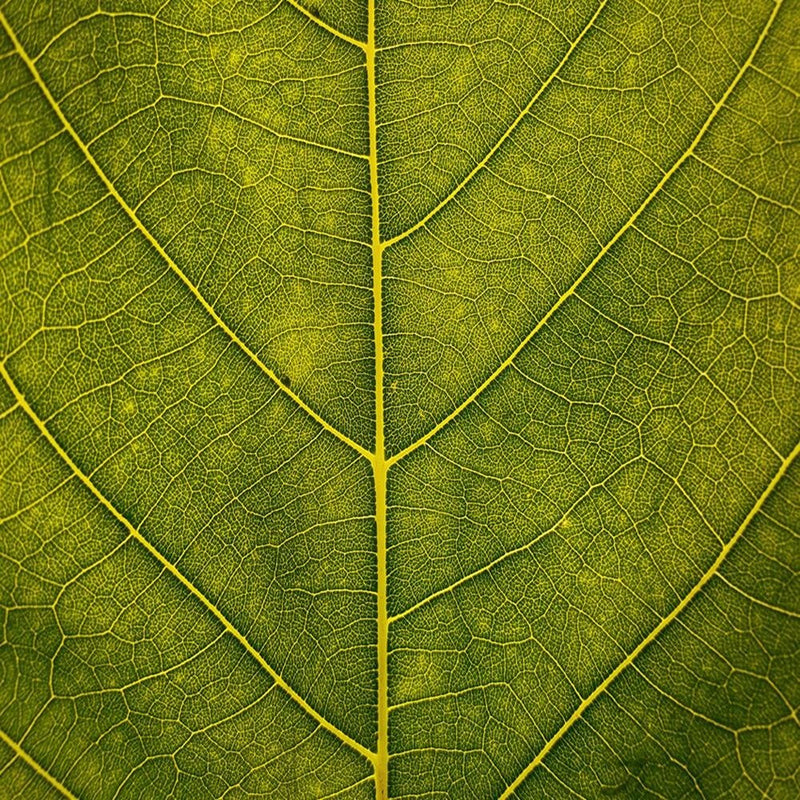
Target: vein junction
574	403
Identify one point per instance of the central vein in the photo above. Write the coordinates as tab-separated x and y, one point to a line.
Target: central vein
379	465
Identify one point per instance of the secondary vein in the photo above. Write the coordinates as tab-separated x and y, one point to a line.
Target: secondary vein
665	622
176	573
600	255
160	250
36	766
522	114
324	25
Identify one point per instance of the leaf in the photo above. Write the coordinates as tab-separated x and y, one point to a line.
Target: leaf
399	399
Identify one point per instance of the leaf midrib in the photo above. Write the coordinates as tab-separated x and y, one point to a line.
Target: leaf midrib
379	463
378	459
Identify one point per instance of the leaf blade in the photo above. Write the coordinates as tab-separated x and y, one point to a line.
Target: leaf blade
244	248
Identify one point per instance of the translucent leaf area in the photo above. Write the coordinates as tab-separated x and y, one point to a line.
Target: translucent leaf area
399	399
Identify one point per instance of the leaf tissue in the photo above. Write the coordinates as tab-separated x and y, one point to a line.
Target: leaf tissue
399	399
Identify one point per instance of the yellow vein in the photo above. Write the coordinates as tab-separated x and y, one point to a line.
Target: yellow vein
469	577
631	220
764	198
160	250
498	144
379	465
36	767
757	600
333	31
8	411
175	572
242	118
710	573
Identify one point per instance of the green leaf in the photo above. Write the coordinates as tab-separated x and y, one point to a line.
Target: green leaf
399	400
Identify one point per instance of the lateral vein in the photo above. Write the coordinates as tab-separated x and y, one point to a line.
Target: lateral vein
324	25
498	144
160	250
600	255
36	766
176	573
665	622
528	546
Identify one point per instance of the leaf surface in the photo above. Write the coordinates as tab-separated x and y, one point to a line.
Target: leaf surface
399	400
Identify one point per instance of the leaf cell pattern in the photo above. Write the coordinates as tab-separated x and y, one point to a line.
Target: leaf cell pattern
399	399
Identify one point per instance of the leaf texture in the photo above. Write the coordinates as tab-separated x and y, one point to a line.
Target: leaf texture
399	399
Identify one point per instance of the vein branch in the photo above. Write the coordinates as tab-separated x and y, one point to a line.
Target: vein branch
162	252
35	765
325	26
665	622
509	554
176	573
498	144
601	254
